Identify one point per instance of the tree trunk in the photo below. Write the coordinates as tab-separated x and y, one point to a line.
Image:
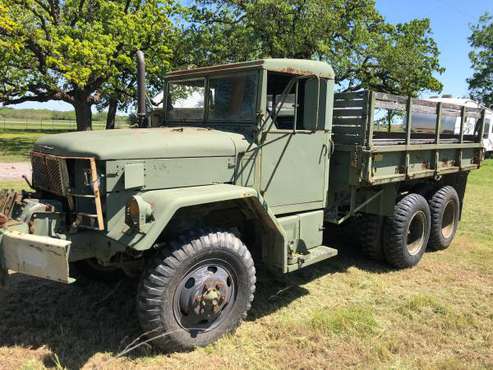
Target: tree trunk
83	115
110	118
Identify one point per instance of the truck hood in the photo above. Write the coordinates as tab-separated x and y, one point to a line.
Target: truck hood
165	142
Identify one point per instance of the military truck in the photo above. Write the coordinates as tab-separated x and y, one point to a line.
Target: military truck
243	165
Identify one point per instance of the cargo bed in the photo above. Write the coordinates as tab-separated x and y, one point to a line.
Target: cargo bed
381	138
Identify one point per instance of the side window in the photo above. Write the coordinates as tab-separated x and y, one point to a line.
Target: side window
282	105
297	107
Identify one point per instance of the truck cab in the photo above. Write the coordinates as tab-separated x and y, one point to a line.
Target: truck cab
284	109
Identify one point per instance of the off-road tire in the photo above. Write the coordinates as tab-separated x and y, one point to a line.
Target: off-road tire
160	283
92	270
411	218
444	207
370	236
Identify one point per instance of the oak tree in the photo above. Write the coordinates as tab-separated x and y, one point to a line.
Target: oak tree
364	50
80	51
481	40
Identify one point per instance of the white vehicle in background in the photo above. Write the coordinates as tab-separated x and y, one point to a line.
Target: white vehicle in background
488	125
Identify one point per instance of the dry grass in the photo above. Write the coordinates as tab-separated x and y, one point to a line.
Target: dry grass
15	184
342	312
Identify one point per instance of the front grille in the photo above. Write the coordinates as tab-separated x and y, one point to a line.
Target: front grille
50	173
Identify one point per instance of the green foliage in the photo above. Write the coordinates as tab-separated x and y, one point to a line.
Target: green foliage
80	51
481	40
365	51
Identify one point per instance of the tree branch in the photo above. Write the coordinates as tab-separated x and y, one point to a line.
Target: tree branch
37	98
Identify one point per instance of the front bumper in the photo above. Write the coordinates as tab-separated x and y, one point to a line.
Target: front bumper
34	255
27	253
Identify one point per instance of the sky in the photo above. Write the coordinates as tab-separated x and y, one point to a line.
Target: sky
450	20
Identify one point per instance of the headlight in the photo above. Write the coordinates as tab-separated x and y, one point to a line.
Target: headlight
137	212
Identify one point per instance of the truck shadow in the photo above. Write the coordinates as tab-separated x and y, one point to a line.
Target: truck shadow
80	320
275	291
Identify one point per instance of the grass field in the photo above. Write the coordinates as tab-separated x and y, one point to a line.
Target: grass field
16	141
16	145
345	312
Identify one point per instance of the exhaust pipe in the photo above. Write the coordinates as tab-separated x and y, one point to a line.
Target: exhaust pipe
141	89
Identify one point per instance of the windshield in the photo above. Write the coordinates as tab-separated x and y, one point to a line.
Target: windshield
230	98
186	100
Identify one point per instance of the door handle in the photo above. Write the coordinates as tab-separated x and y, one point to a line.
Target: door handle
325	149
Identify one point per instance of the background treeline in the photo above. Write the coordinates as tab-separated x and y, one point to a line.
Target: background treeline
49	115
83	52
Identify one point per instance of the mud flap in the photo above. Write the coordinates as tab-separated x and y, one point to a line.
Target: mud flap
34	255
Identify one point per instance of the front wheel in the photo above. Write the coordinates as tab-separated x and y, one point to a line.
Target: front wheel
196	291
407	231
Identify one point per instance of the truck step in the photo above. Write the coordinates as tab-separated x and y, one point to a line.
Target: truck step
314	255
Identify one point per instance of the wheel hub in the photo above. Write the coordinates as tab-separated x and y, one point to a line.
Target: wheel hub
448	220
210	297
203	296
416	233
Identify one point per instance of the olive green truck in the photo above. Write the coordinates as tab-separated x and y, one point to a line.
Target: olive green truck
242	165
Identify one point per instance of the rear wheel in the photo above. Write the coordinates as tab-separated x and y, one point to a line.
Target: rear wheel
407	231
370	236
197	291
445	211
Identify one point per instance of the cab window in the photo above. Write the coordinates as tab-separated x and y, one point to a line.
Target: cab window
186	100
233	98
298	107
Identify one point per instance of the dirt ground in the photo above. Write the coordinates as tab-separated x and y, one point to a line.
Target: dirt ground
14	171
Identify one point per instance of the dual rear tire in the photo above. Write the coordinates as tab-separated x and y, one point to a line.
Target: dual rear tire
416	224
445	215
407	232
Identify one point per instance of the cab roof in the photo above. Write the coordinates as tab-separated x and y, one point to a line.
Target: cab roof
282	65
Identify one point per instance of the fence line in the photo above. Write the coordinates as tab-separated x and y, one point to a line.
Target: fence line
46	125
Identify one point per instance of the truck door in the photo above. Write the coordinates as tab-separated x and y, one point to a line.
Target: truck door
295	143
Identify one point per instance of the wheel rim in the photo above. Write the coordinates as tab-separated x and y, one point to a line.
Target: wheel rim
449	219
416	233
205	296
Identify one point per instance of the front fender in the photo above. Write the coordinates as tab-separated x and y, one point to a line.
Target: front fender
165	203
